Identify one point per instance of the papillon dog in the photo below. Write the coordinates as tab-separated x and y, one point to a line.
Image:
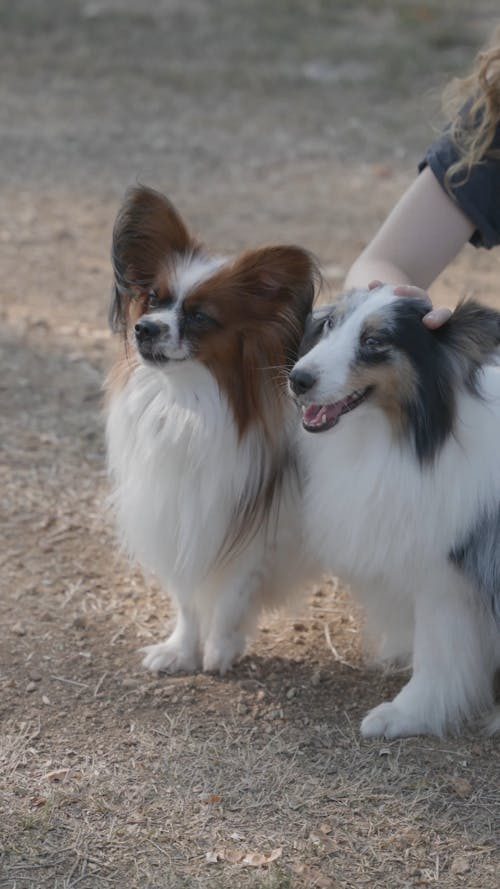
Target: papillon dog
201	432
402	445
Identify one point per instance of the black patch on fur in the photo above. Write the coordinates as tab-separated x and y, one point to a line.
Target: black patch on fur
444	360
478	556
314	326
379	354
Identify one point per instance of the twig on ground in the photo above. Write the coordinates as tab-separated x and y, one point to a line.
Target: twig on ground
335	653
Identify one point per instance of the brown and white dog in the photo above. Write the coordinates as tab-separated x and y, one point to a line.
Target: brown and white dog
201	433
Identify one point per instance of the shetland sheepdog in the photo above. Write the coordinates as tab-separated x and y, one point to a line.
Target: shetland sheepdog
201	432
402	445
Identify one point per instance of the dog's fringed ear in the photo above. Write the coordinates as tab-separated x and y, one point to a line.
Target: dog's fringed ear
117	315
473	333
315	323
284	272
147	231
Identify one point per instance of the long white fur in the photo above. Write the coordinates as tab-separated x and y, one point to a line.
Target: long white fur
386	526
179	472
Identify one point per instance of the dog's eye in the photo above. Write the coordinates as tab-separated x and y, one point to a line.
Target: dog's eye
329	323
153	300
199	319
371	342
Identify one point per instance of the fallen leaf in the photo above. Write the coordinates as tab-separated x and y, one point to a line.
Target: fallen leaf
233	856
56	775
213	857
460	865
462	787
38	801
326	842
19	629
256	859
246	859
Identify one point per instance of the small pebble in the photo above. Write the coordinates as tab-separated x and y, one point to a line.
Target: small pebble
316	677
128	682
460	865
80	622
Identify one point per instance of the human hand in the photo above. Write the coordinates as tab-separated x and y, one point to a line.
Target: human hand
435	317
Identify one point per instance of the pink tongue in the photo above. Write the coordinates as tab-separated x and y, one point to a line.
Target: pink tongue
314	413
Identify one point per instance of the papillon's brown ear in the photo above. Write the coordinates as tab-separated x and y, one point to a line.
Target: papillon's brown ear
147	231
287	274
117	315
278	285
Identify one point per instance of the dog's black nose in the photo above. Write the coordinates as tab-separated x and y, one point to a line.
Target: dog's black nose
301	381
147	329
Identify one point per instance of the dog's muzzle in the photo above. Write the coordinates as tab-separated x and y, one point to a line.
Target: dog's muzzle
148	335
301	381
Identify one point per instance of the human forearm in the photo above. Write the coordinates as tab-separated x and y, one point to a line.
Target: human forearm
370	268
421	235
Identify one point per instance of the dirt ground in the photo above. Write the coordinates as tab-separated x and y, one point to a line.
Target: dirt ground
263	121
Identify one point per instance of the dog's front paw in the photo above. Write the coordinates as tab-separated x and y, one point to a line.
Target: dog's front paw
170	657
390	721
220	656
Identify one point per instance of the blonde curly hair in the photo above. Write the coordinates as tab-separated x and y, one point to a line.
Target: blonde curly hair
472	104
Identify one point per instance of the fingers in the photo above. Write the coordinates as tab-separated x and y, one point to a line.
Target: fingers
434	318
437	317
411	290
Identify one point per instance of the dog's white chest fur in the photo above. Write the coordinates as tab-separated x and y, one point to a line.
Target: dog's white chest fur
387	526
174	457
181	479
374	511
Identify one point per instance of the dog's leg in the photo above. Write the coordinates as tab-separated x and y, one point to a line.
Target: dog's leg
234	616
181	651
452	665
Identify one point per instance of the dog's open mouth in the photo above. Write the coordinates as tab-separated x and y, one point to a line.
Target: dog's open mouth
320	417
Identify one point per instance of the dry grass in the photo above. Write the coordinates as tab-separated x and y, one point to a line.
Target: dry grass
166	773
286	125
